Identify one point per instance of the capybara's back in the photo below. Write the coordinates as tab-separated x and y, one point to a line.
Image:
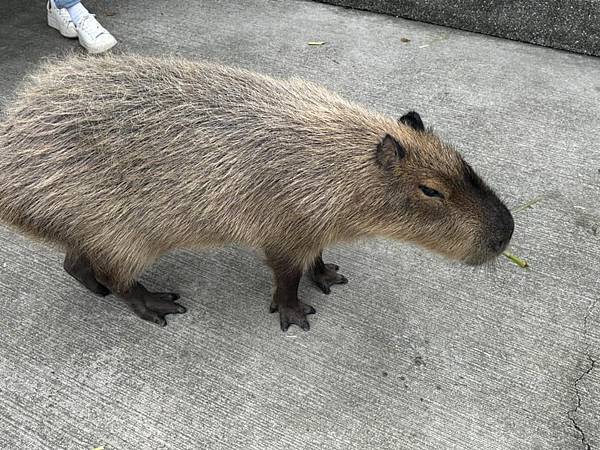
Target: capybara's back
119	159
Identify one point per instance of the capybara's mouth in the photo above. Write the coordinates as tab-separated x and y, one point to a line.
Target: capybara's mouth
481	258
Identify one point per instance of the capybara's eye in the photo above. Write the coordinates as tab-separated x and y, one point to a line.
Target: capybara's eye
430	192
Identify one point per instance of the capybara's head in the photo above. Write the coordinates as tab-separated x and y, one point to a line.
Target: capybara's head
435	199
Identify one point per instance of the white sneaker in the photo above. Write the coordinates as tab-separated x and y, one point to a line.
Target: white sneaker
93	36
59	19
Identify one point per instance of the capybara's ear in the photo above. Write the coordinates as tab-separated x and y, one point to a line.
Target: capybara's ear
389	151
413	120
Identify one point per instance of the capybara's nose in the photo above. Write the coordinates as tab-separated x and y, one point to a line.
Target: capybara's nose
498	245
503	233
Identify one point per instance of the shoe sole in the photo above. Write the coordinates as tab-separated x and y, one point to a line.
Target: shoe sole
53	23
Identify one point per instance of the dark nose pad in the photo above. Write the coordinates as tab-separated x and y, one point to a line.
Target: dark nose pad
499	242
497	245
511	227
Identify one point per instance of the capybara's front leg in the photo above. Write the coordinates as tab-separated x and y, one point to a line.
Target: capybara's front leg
285	299
325	275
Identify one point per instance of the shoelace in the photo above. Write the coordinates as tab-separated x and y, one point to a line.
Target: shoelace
87	25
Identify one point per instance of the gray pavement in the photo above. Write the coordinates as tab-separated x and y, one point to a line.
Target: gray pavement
415	352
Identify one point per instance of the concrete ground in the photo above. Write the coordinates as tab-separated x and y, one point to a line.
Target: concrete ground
416	352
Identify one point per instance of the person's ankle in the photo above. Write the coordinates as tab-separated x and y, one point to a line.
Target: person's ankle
77	13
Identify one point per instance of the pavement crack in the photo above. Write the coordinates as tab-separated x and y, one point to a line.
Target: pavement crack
592	365
571	413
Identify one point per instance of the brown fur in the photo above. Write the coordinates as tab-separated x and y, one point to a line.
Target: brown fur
123	158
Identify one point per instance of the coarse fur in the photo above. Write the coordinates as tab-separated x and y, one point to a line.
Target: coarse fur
124	158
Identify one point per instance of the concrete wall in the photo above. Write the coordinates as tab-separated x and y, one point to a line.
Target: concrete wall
569	25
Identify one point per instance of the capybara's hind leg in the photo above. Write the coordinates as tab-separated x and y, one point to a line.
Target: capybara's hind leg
150	306
325	275
285	299
79	267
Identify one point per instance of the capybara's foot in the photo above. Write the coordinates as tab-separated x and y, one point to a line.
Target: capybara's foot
153	306
326	275
293	314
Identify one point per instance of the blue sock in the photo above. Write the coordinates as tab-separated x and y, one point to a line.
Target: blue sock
77	12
